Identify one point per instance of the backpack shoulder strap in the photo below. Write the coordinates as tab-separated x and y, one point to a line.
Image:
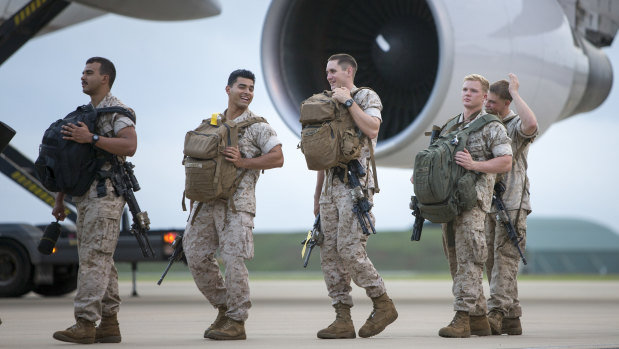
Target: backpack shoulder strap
450	124
119	110
251	121
234	127
481	122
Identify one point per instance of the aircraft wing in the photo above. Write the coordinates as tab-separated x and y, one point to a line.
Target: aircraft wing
81	10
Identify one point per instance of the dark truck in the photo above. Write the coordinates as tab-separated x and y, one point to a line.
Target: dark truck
23	268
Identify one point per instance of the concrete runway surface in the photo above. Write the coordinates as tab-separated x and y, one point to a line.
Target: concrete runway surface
287	314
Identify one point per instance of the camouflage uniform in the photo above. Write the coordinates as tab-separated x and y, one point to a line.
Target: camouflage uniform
98	227
343	255
464	238
216	226
503	257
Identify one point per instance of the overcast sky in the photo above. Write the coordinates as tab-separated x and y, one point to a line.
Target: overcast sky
174	74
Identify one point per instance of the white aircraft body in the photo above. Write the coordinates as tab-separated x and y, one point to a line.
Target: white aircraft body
413	53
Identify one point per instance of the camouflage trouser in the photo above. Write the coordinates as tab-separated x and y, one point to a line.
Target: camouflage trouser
98	227
342	254
216	226
465	247
502	264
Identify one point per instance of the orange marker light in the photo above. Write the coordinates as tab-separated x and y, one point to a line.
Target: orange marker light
169	237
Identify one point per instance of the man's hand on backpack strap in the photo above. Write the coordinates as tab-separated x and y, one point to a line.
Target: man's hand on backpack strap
77	133
464	159
233	155
341	94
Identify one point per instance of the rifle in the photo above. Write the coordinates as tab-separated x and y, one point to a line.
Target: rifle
418	225
361	206
499	189
414	204
176	256
313	238
125	183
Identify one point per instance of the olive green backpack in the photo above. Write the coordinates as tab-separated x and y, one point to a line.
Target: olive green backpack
444	189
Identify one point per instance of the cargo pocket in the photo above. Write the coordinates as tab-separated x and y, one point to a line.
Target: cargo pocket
319	144
466	194
107	227
201	145
199	179
479	248
247	221
350	145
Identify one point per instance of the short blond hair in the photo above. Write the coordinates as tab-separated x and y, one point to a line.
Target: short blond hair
485	85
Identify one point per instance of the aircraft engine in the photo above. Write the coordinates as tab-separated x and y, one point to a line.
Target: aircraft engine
415	53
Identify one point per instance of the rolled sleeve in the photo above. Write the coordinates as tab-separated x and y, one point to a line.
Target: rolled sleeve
499	142
121	122
267	137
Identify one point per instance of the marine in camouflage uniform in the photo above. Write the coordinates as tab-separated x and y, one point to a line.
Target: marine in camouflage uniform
98	223
464	237
343	251
503	257
98	218
227	225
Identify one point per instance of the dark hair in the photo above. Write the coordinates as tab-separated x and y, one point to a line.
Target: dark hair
501	89
107	67
240	73
345	60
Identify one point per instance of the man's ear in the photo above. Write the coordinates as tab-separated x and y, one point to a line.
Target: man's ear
106	79
227	89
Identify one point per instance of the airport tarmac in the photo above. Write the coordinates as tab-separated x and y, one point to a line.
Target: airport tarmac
287	314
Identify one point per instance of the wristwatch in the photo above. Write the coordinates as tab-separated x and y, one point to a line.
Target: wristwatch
349	103
95	139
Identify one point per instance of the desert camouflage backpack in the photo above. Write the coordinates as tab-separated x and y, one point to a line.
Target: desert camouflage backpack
329	136
208	175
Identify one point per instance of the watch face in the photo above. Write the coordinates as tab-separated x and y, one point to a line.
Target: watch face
349	103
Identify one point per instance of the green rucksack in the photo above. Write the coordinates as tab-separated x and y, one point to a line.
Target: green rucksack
329	136
208	175
444	189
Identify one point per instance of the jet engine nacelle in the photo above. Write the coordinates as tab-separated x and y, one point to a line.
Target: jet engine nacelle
414	54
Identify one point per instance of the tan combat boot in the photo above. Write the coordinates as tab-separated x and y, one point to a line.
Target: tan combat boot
342	327
382	315
219	320
458	328
479	325
108	330
495	319
511	326
230	329
82	332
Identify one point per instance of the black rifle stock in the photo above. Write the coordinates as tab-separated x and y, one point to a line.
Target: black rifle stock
176	256
311	241
361	206
414	204
418	225
499	189
125	184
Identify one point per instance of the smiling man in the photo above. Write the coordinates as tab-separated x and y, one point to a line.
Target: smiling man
226	225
